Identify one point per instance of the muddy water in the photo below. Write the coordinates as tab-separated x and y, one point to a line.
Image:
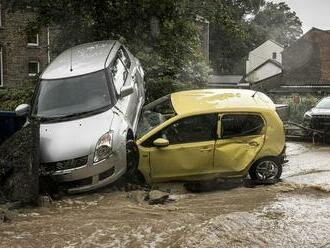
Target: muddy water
293	213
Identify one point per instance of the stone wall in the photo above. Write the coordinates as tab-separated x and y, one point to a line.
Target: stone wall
19	166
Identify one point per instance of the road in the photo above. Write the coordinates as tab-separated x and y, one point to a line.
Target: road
292	213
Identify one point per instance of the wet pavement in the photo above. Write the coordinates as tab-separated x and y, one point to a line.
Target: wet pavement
292	213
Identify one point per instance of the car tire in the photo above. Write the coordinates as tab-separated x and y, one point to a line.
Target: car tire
132	156
266	169
133	175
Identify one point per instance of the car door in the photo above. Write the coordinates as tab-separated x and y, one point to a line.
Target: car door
121	75
242	136
190	149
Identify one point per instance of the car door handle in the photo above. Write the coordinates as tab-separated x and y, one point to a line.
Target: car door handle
253	143
206	149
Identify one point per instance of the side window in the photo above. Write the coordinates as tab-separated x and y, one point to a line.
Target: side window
236	125
189	130
118	73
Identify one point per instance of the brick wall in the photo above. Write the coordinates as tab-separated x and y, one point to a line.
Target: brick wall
307	61
16	52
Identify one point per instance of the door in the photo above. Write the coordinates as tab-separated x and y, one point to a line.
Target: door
241	139
190	149
121	74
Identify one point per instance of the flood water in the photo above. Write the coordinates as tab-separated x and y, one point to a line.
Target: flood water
292	213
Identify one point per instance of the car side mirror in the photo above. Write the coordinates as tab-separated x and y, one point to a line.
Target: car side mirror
126	91
22	110
160	142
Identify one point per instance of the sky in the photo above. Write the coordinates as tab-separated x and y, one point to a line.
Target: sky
312	13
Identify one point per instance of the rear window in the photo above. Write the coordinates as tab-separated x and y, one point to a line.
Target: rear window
237	125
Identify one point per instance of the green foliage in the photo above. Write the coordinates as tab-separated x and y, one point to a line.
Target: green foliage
162	34
295	111
11	98
247	25
276	22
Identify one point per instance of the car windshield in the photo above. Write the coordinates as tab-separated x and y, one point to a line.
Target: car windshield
154	114
324	104
72	96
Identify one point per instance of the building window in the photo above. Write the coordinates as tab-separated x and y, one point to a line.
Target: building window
1	68
274	55
34	68
33	39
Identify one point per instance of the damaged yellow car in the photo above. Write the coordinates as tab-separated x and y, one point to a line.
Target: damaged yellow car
211	133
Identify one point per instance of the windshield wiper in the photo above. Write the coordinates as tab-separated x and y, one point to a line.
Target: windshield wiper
69	116
61	117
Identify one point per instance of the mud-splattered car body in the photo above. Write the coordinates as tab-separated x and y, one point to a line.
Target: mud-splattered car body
205	134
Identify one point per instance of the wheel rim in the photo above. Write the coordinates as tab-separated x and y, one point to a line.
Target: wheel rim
266	170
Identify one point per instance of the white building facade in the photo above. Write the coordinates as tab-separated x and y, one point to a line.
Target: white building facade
265	61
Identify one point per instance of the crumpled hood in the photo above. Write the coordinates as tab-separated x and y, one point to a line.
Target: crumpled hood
318	111
74	138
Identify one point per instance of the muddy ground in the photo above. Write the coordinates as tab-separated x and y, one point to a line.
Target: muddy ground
292	213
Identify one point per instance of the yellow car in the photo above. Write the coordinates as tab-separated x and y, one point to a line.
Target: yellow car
205	134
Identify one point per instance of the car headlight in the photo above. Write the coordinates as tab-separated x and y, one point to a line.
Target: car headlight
308	116
103	148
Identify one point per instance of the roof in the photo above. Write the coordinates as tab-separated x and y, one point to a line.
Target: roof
86	58
210	100
274	42
272	61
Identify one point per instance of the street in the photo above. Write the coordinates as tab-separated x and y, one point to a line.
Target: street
292	213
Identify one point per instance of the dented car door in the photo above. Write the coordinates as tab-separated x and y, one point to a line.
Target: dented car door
190	150
241	139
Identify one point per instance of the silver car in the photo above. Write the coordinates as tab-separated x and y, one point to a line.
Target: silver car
88	101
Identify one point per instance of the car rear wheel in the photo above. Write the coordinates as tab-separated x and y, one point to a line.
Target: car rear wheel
266	169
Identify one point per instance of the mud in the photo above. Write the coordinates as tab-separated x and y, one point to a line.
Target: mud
292	213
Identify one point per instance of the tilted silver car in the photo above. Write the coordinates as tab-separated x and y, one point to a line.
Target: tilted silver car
88	101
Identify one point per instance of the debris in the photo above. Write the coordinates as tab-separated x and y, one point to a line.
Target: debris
157	197
44	201
4	216
138	196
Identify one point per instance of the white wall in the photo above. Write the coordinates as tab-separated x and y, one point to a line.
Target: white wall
263	53
266	71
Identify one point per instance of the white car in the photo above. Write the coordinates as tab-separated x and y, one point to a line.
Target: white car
88	101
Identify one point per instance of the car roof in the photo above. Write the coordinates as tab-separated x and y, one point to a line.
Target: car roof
86	58
214	100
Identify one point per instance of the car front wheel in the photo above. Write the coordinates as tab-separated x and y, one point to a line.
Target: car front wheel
266	169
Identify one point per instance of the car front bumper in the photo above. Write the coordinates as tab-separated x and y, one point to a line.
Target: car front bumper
90	176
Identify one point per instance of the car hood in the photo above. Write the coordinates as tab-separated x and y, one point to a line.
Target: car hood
74	138
318	111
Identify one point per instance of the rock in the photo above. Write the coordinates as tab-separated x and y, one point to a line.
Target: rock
157	197
137	196
44	201
4	216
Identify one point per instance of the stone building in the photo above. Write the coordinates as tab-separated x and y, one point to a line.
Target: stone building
23	54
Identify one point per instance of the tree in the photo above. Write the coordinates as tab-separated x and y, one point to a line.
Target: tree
250	24
162	34
229	36
276	22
